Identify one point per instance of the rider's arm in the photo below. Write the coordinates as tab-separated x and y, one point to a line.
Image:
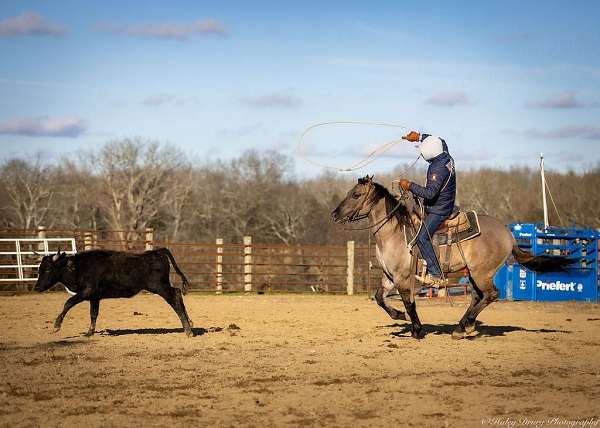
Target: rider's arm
435	181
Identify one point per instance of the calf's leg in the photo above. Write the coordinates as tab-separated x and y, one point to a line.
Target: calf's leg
174	299
94	309
72	301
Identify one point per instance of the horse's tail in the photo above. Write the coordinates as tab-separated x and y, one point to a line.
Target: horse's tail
540	263
184	282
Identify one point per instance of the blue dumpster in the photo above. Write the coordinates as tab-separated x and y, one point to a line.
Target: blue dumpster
579	282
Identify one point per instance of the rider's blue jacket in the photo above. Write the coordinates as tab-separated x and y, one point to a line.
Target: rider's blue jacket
439	193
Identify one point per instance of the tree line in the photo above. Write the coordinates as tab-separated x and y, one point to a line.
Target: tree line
132	184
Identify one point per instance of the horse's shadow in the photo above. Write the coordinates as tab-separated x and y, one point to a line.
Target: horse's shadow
198	331
482	330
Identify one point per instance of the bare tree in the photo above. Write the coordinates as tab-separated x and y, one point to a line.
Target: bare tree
132	184
180	194
138	182
29	187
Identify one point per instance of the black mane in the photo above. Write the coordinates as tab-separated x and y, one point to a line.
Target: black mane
390	202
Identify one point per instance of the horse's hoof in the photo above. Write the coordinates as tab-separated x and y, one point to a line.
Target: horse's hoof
89	334
417	334
56	329
399	316
459	334
470	328
190	333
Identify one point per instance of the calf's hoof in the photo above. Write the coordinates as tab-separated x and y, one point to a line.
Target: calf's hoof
90	333
190	333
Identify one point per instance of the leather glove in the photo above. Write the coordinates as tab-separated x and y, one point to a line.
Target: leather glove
405	184
412	136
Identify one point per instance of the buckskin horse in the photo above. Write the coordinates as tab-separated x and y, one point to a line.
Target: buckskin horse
482	256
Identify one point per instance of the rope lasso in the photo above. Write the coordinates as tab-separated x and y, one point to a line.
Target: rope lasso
358	165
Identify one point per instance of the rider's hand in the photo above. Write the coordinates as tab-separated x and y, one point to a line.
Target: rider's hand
412	136
405	184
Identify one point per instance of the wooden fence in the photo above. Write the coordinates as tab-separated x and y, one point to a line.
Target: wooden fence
234	267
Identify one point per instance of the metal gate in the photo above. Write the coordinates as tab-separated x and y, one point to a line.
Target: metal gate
578	282
17	256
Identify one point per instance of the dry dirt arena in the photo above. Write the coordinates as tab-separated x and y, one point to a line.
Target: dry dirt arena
295	360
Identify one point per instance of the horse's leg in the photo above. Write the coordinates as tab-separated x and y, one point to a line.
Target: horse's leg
381	297
464	327
411	310
489	294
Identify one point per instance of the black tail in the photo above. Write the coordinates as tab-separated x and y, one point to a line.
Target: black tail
185	284
541	263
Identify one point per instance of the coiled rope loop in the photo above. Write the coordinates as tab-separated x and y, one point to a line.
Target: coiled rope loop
358	165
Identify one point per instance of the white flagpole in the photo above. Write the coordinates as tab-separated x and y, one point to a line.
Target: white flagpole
544	191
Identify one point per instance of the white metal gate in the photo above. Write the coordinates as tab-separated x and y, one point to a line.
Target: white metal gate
20	252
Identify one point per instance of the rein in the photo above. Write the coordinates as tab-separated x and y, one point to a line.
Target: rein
379	223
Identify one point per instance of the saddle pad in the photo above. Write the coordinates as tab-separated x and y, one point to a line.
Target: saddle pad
465	228
460	223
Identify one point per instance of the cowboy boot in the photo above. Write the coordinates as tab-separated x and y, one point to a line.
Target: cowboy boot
432	281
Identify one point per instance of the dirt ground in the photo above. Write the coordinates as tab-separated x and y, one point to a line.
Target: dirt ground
299	360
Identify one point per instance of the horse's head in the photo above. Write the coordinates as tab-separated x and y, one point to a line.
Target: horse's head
358	202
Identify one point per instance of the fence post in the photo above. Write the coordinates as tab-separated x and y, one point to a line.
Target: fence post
41	248
88	241
350	268
219	265
247	263
149	238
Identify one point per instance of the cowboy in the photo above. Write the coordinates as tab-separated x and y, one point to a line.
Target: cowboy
439	195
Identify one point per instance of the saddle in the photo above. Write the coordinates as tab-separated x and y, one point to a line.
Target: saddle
458	227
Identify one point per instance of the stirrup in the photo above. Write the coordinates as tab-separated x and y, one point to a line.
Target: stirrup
432	281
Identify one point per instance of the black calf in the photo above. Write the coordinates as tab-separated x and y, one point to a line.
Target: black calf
101	274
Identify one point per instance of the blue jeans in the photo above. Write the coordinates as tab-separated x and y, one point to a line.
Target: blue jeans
432	222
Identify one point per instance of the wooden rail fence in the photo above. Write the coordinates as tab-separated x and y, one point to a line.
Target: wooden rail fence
226	267
230	267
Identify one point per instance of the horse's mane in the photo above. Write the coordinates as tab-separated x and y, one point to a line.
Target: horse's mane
390	202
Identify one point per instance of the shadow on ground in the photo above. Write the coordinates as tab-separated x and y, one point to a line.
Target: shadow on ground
63	343
482	330
198	331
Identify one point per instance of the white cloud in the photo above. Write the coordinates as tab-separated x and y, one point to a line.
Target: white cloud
571	131
241	131
29	23
273	101
448	99
566	99
157	100
66	126
168	30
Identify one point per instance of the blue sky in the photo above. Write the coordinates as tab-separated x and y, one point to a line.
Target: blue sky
501	81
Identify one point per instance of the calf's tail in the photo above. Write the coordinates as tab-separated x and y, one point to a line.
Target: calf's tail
185	283
540	263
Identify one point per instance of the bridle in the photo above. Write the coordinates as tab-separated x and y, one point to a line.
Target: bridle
379	223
